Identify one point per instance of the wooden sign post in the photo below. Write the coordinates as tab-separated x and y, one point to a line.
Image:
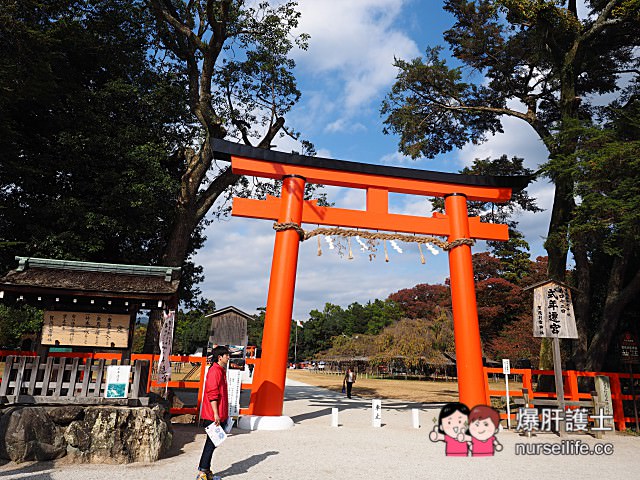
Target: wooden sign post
85	329
553	318
506	370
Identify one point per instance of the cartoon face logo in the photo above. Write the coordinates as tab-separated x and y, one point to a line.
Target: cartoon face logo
467	432
482	429
451	428
454	424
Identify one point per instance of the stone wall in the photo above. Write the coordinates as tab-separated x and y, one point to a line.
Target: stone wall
84	434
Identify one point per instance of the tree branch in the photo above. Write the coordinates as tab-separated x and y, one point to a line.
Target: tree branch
603	20
207	198
271	133
163	7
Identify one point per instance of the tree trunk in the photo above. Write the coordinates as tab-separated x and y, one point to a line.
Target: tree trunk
174	255
618	297
582	303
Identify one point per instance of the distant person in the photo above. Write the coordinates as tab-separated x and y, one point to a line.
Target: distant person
349	380
215	407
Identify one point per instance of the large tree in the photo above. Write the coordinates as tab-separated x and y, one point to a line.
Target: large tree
87	125
235	56
605	230
538	62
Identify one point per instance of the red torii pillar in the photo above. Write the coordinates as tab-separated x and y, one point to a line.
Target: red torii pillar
267	395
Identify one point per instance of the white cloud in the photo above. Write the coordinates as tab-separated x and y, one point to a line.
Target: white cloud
396	159
518	140
343	125
352	49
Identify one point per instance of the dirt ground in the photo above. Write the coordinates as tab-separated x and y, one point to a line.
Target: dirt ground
411	390
425	391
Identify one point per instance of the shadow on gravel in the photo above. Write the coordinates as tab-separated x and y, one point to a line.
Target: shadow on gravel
182	435
243	466
31	471
327	399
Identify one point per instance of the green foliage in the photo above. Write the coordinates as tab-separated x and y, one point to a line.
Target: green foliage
86	132
322	327
607	172
138	338
513	253
192	328
255	328
15	322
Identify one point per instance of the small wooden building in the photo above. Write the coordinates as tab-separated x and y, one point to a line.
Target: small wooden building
89	307
228	327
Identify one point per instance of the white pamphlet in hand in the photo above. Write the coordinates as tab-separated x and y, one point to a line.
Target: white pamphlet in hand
216	434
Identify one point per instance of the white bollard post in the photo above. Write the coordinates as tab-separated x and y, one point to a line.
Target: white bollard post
376	413
415	414
334	417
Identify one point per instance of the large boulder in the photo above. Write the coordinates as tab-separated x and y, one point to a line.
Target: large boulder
89	434
30	434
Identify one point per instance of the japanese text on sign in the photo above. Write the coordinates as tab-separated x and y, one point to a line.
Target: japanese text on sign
86	329
553	312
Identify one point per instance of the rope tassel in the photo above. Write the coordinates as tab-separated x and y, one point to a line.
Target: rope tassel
422	260
319	247
386	254
350	257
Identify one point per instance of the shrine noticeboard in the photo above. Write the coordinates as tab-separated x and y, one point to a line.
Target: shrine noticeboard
553	312
82	329
629	348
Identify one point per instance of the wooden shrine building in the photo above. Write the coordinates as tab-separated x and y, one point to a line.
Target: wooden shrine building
228	327
89	307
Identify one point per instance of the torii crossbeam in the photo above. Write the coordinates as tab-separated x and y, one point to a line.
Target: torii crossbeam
295	171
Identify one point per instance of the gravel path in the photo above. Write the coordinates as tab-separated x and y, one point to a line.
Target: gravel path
313	450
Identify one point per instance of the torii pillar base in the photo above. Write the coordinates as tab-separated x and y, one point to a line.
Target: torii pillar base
260	422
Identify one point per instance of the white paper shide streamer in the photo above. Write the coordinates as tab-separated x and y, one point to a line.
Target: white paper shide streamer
166	341
363	246
395	246
329	240
432	249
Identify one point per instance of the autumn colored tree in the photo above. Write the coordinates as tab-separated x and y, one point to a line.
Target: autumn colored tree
423	300
411	340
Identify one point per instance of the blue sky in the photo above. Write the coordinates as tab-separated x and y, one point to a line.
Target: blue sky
343	77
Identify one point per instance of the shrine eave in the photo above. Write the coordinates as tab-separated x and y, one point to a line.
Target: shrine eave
224	150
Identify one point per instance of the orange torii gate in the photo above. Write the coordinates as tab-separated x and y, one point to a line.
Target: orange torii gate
295	170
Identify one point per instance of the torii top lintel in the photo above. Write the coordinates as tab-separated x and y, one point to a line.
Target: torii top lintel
377	180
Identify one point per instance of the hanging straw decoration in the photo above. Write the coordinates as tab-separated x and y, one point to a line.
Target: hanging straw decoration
372	239
319	247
